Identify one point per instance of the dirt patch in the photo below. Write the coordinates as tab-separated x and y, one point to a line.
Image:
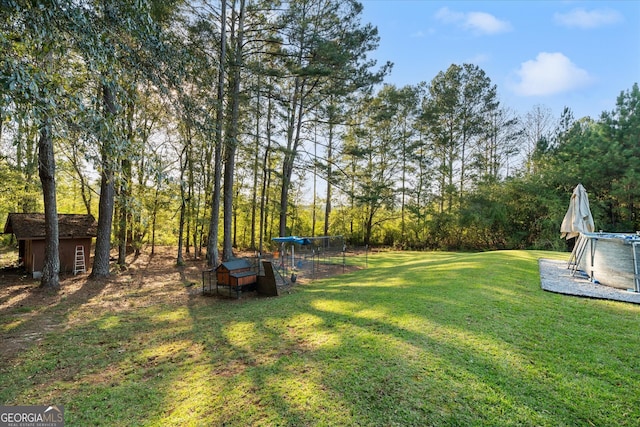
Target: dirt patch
28	312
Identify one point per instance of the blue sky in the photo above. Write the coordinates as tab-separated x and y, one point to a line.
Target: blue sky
579	54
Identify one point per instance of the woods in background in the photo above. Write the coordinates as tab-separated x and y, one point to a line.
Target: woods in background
213	124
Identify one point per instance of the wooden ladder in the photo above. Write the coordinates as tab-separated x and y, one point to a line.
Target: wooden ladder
79	265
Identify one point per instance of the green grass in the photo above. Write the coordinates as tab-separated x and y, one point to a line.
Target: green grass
417	339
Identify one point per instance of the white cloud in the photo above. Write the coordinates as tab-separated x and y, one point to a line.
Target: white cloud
581	18
486	23
478	22
478	59
549	74
448	16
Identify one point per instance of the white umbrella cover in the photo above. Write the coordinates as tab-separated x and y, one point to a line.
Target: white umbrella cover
578	218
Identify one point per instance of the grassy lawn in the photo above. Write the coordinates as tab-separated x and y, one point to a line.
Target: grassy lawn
440	339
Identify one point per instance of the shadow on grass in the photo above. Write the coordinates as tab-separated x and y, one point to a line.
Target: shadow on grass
405	352
417	339
30	312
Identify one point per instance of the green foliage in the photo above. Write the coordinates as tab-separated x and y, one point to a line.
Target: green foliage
604	156
484	219
136	88
12	190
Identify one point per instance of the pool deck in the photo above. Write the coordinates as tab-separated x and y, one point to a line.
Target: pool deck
556	277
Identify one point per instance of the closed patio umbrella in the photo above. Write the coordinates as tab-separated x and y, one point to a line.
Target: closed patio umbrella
578	218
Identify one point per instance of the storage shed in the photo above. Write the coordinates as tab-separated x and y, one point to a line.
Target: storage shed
74	230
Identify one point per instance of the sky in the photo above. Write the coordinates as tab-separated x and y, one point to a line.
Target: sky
555	54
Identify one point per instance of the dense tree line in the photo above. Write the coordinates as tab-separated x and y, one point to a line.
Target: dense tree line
221	124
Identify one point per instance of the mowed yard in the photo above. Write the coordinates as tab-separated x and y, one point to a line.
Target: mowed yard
416	339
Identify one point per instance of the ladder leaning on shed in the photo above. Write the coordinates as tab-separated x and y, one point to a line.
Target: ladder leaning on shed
79	264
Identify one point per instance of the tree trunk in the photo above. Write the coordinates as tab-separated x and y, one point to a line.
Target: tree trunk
231	139
293	141
256	162
85	190
189	207
266	174
46	161
123	212
124	201
368	227
213	258
212	244
107	195
154	217
403	194
327	207
183	205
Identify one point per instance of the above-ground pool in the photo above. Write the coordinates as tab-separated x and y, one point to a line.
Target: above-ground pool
612	259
